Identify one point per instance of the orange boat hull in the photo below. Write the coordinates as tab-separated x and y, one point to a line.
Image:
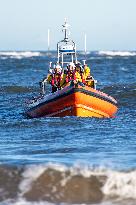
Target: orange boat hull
75	101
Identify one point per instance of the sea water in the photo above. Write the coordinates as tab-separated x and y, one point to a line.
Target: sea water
68	160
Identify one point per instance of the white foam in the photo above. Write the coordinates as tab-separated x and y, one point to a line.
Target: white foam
22	201
120	184
29	175
117	184
19	55
83	52
34	171
117	53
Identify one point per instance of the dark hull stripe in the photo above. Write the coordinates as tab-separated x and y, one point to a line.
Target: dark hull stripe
74	90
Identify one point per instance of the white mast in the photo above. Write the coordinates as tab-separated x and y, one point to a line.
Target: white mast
48	40
85	46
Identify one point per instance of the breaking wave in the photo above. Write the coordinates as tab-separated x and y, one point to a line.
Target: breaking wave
20	55
57	183
117	53
92	54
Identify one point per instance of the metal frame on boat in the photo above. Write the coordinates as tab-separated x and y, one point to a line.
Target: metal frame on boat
66	47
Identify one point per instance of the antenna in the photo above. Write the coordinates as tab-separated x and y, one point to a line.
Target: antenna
85	46
48	41
65	29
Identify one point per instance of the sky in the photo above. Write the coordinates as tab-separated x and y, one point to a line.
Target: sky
108	24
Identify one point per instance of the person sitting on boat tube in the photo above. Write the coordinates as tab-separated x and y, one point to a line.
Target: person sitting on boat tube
55	78
86	71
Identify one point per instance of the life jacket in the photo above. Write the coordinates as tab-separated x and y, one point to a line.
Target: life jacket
70	76
87	72
56	79
83	78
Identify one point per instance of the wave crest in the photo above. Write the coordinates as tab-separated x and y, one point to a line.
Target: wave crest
19	54
57	183
117	53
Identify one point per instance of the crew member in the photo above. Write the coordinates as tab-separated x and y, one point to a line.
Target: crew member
55	78
79	73
86	71
89	81
69	74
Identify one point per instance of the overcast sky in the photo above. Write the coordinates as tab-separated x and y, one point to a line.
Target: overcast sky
109	24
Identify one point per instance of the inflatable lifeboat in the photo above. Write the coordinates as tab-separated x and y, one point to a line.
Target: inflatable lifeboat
74	100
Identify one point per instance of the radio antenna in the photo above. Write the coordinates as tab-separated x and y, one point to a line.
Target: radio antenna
85	46
48	41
